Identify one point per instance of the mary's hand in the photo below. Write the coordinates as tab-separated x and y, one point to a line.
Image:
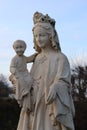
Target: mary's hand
51	96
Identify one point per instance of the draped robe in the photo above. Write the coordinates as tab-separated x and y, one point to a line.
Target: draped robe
52	72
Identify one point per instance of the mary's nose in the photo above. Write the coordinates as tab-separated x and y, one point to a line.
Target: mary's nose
38	38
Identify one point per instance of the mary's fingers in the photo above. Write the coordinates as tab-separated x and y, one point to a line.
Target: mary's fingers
50	99
49	102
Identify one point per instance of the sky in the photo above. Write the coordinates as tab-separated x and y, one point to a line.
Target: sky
16	22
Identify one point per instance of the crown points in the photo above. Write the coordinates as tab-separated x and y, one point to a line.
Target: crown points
39	17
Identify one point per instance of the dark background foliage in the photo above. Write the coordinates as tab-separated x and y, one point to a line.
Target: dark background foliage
9	114
10	111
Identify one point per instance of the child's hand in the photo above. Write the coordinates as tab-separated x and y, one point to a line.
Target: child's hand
14	88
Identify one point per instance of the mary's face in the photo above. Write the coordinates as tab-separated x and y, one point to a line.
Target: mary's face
41	37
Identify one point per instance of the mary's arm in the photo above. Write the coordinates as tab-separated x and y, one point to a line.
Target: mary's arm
62	78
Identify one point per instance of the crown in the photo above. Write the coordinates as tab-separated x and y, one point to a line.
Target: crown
39	17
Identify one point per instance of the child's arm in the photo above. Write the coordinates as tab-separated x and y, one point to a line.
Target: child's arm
31	58
13	66
12	70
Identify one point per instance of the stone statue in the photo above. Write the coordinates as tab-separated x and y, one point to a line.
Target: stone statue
23	82
50	74
54	109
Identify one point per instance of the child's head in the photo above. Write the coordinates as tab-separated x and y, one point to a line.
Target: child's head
19	47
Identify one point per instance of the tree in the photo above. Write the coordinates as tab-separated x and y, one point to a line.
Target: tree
79	81
4	86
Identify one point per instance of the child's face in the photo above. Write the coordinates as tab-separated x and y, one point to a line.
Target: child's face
19	49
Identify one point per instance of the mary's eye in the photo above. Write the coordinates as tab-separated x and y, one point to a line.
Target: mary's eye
42	35
35	35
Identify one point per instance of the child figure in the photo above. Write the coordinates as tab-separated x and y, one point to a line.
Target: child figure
23	82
